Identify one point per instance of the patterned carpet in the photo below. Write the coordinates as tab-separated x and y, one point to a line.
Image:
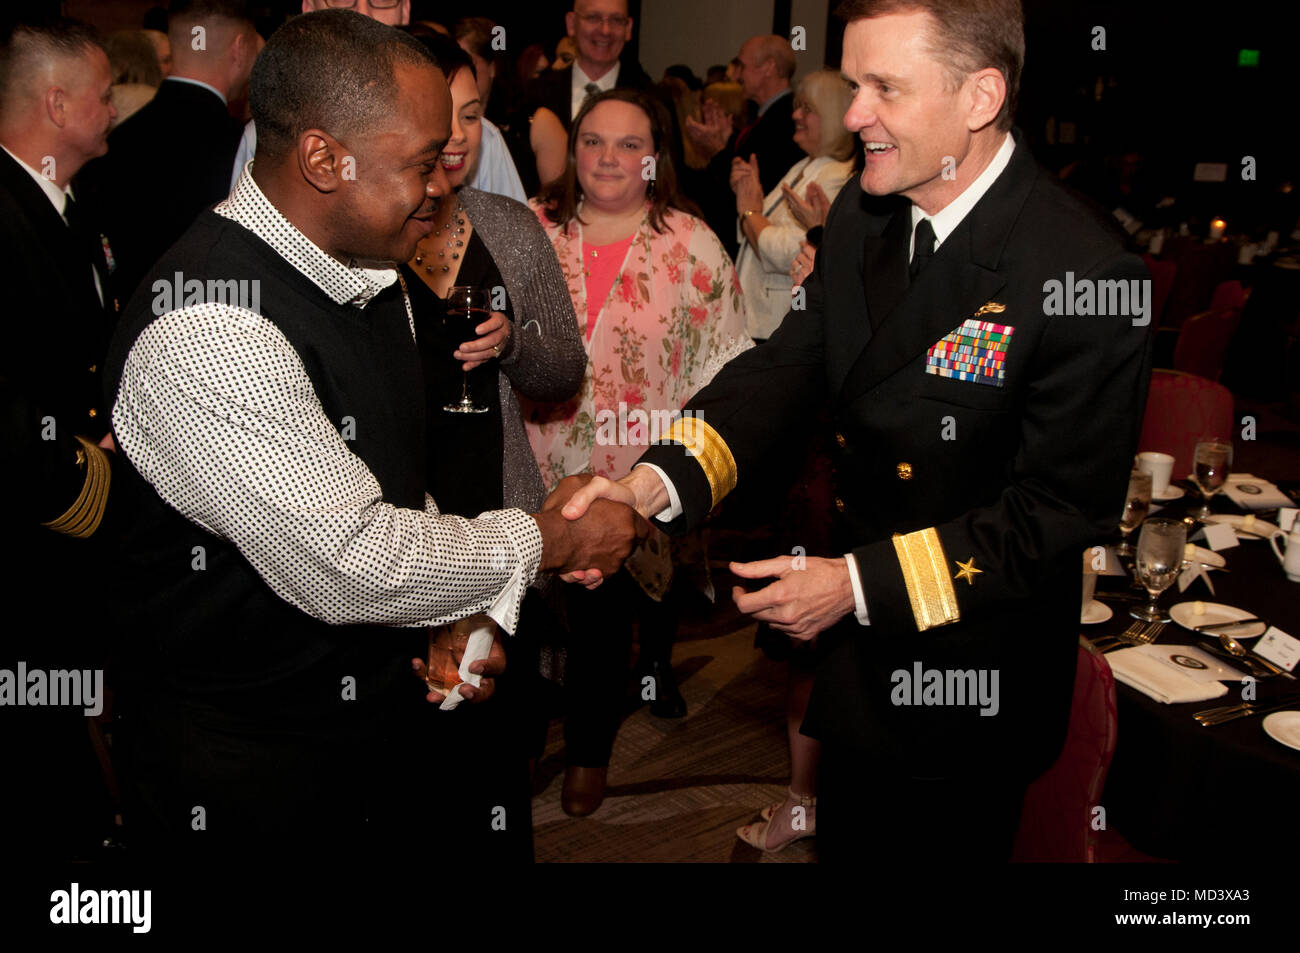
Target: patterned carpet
679	788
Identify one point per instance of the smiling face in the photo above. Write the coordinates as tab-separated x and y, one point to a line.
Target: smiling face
389	205
460	156
807	128
600	28
904	112
611	145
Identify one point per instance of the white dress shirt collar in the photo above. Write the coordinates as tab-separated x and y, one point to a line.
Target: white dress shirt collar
58	196
198	82
345	284
578	87
946	220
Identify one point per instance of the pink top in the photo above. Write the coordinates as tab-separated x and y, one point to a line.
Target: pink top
602	264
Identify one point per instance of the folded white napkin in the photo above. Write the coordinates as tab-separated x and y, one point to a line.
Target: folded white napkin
479	645
1269	497
1159	679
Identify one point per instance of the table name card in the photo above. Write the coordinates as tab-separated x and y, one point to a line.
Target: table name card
1219	536
1279	648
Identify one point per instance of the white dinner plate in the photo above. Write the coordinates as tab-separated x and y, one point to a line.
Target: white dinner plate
1171	493
1260	529
1096	612
1284	726
1185	615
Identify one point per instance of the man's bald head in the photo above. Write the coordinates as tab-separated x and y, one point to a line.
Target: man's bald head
767	63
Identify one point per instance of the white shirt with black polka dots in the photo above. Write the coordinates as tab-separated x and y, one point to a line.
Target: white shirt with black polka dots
217	412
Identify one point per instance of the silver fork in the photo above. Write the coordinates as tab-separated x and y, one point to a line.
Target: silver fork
1139	633
1126	637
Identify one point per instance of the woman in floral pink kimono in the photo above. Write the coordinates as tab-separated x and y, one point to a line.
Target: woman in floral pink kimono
661	311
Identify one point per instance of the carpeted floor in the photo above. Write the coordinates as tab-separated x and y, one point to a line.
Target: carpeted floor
679	788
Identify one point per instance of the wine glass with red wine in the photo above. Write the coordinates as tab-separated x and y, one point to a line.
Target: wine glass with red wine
467	308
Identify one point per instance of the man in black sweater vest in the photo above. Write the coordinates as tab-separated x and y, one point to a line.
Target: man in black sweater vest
283	559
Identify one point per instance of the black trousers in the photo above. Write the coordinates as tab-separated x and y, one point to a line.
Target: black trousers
869	809
601	622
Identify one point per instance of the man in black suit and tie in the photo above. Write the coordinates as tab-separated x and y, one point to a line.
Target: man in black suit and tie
55	112
172	159
766	65
600	29
983	437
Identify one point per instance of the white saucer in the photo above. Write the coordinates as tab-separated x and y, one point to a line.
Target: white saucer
1183	613
1284	726
1096	612
1171	493
1259	530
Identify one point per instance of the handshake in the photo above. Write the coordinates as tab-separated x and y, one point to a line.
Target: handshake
590	525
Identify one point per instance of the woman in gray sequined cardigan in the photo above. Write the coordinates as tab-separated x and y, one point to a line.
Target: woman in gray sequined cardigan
543	358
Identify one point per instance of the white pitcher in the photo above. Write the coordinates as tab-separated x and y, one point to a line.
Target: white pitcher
1291	560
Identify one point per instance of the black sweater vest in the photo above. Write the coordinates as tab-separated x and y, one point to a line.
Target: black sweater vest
218	638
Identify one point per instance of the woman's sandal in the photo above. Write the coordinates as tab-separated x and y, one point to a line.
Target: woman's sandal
756	834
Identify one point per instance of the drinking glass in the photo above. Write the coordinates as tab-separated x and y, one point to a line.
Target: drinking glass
1159	561
1136	504
467	308
1213	463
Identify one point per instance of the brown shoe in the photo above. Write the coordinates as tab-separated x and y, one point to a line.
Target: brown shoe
584	790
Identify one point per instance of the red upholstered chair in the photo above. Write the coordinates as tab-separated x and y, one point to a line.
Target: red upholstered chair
1181	409
1229	296
1203	341
1056	822
1162	282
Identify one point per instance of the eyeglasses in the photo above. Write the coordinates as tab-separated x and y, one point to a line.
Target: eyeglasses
615	20
349	4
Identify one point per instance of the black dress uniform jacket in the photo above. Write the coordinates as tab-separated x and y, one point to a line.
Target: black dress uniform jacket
165	165
933	471
56	483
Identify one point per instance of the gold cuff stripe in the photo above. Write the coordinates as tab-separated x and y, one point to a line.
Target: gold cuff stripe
84	516
925	572
703	443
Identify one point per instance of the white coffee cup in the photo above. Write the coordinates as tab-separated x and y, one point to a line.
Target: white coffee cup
1160	466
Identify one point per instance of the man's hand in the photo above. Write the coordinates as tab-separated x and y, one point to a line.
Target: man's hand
802	602
494	333
598	538
641	489
449	638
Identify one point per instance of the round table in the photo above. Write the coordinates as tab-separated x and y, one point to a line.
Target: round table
1182	791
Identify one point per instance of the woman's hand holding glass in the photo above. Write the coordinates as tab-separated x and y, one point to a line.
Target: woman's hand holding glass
491	343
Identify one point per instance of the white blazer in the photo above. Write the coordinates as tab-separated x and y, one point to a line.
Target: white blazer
765	274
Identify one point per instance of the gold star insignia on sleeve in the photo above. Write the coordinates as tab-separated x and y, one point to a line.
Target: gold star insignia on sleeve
967	571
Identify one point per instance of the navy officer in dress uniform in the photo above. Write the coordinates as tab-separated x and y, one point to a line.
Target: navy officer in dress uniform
982	439
55	111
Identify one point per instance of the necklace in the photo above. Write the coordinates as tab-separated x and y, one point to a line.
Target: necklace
454	240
